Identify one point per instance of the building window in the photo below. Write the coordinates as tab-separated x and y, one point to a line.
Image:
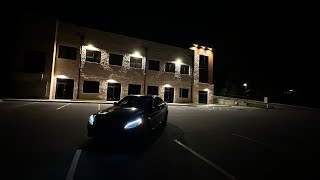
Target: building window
184	69
67	52
115	59
170	67
154	65
136	62
134	89
93	56
184	93
153	90
34	62
91	86
203	69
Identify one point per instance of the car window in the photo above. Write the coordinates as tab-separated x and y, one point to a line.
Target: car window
136	101
156	102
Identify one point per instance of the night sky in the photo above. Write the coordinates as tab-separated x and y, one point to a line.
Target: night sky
267	46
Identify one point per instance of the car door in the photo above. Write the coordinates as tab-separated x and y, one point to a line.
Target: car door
155	116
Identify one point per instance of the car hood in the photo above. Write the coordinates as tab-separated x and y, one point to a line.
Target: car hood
119	115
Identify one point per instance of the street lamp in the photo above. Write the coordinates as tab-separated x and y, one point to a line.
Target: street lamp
245	85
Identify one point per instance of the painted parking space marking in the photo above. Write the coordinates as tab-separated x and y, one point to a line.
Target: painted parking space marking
63	106
73	165
206	160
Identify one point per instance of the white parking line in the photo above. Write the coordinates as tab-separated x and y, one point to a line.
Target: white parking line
24	104
213	108
63	106
227	109
206	160
73	166
98	107
249	139
220	108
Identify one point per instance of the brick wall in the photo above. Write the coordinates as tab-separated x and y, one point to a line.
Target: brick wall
112	43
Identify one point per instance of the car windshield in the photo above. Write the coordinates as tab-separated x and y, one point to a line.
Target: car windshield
141	102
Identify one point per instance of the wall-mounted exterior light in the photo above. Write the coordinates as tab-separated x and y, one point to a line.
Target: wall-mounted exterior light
203	47
62	76
206	89
210	49
178	61
111	81
90	47
136	54
167	85
195	45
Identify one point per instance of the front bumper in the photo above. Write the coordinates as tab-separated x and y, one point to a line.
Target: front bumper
113	132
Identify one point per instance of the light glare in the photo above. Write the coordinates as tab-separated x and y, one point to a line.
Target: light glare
91	120
133	124
111	81
62	76
136	54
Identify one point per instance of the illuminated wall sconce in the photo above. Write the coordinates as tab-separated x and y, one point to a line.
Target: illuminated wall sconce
206	89
62	76
210	49
203	47
195	45
136	54
90	47
111	81
178	61
167	85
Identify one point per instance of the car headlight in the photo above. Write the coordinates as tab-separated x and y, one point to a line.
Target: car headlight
133	124
91	119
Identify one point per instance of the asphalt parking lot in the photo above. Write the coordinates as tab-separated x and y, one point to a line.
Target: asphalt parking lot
47	140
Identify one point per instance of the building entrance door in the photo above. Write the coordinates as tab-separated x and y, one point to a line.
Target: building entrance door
113	91
168	94
64	89
203	97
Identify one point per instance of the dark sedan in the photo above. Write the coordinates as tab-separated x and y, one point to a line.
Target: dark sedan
134	114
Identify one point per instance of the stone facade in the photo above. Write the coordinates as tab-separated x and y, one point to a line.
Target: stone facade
106	43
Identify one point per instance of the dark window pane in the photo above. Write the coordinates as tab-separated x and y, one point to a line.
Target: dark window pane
170	67
203	61
91	86
184	93
203	75
136	62
157	101
34	62
134	89
67	52
154	65
184	69
153	90
93	56
115	59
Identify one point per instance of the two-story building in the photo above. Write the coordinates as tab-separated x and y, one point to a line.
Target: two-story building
92	64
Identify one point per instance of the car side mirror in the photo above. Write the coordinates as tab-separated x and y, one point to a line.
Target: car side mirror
115	103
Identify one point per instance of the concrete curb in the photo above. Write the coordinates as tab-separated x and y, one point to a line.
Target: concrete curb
56	101
106	102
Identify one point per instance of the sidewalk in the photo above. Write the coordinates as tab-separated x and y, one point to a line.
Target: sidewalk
105	102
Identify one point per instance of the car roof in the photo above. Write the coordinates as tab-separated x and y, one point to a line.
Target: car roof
140	95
